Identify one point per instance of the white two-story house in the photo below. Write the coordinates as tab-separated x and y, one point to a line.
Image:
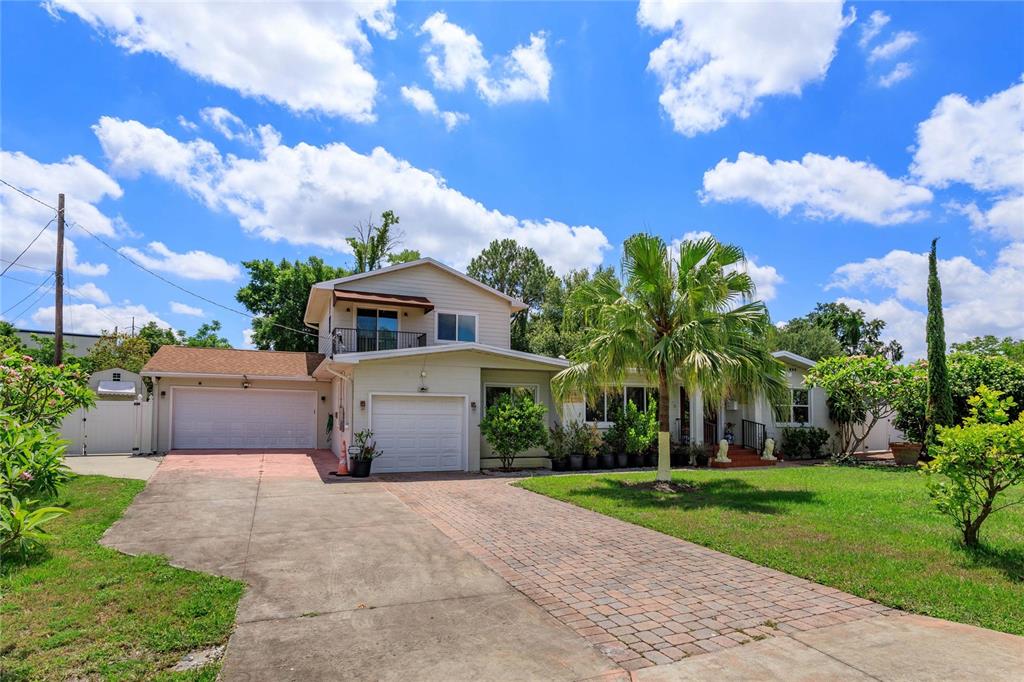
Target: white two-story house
416	353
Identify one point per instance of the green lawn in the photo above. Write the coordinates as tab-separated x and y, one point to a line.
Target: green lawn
869	531
88	612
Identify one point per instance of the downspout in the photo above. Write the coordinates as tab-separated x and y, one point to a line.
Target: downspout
156	414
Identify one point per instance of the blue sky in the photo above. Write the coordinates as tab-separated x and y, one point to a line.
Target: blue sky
831	141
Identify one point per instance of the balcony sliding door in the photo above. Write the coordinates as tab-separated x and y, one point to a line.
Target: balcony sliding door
376	329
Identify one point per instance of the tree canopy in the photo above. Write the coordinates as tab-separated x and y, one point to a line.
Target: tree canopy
277	294
854	333
373	243
990	345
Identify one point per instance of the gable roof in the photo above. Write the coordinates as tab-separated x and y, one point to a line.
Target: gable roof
516	304
177	360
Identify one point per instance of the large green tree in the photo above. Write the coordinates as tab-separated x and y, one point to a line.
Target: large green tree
118	349
851	328
1007	347
803	337
518	272
277	294
686	316
940	401
373	243
557	327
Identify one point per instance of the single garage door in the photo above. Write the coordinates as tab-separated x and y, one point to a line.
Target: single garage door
215	418
419	433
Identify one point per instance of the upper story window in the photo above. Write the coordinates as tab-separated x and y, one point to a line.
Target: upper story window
376	329
798	410
456	327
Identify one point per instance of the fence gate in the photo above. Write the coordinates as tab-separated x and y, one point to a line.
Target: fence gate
111	427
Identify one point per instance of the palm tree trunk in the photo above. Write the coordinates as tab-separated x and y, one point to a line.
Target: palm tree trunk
664	438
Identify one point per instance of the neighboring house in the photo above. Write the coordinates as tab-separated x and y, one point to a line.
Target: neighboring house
117	384
415	352
81	342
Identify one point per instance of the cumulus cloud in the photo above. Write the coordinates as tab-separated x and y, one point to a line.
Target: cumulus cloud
311	57
194	264
89	292
969	306
821	187
88	318
312	195
84	185
423	101
981	145
185	309
723	58
456	58
247	339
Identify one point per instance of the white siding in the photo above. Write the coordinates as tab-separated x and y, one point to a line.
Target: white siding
447	292
324	342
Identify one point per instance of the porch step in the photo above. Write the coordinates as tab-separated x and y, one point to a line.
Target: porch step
741	457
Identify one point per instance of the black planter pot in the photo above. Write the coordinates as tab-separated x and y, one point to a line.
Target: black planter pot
622	460
559	464
361	468
650	459
635	461
607	460
591	462
575	462
702	461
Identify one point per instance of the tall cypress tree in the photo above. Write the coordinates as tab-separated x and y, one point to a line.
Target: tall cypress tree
940	400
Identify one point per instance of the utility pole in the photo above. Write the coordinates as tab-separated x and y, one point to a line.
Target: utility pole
58	313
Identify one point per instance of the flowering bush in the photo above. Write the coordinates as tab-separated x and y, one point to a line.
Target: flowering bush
34	393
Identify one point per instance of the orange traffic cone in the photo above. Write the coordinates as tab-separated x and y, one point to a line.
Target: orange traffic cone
343	460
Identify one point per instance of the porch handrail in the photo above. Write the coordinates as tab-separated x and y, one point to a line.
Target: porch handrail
348	340
753	435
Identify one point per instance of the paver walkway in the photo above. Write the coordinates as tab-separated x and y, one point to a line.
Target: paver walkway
642	597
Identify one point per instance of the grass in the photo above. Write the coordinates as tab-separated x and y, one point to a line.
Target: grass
82	611
868	531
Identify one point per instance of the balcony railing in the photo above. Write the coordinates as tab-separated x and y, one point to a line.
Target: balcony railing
367	340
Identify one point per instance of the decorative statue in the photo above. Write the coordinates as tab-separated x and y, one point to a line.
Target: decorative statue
723	451
769	448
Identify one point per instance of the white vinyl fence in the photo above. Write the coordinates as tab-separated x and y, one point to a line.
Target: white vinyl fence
112	427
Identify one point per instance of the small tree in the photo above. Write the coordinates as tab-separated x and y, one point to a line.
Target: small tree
973	463
940	400
32	393
862	391
514	424
119	350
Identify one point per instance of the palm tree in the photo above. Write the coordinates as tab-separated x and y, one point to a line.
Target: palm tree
688	317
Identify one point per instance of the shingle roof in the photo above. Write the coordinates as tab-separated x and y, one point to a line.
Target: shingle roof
266	363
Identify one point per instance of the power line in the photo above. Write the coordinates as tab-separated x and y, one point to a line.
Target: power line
38	235
161	277
23	265
35	199
100	310
26	297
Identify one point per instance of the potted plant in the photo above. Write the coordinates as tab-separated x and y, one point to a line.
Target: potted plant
698	455
905	454
641	432
362	453
558	447
615	443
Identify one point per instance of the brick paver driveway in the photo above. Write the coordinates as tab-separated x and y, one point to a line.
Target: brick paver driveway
642	597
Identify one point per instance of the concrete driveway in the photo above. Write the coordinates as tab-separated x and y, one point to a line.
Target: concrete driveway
345	581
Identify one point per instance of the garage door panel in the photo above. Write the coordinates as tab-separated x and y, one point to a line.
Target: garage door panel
419	433
240	418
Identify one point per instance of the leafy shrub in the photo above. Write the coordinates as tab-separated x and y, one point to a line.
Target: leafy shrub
31	460
634	431
31	392
514	424
21	525
584	439
559	442
367	446
804	442
977	461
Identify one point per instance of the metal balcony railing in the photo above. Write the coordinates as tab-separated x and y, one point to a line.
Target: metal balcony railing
367	340
753	435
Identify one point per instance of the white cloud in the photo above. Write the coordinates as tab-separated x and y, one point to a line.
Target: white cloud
88	318
423	101
870	29
980	145
185	309
456	58
247	339
822	187
722	58
310	57
970	306
89	292
84	186
191	265
313	195
899	43
900	72
233	128
187	124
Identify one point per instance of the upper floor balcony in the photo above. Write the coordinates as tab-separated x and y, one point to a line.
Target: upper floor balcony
346	340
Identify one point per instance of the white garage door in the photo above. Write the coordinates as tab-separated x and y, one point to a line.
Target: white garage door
419	433
213	418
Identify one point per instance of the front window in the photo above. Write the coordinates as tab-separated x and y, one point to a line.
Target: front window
456	327
493	393
608	405
798	410
376	329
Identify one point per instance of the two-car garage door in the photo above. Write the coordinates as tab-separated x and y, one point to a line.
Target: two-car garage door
217	418
419	433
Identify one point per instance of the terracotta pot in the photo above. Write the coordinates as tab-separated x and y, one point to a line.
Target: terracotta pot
905	454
